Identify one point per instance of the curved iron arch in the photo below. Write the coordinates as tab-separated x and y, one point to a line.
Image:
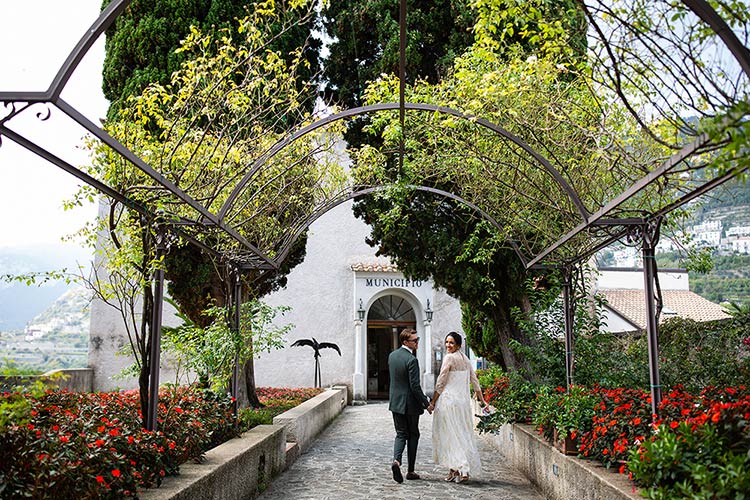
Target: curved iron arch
286	248
362	110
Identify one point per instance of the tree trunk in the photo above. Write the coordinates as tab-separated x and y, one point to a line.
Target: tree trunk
249	385
145	374
506	329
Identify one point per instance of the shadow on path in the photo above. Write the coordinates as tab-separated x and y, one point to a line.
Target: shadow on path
351	460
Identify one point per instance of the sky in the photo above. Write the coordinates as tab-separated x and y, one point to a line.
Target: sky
36	37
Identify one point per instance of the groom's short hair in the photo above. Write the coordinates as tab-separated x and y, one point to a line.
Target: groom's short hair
405	334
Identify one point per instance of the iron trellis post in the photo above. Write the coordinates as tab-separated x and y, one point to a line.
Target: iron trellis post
649	237
156	319
237	295
568	304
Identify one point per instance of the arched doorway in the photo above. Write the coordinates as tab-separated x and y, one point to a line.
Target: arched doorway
387	317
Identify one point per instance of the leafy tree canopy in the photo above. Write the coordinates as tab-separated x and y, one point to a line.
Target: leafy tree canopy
230	100
536	97
141	46
366	37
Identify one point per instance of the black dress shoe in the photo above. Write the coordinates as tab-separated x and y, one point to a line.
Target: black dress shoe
412	475
396	469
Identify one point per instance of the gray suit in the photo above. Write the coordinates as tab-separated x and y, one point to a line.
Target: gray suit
407	403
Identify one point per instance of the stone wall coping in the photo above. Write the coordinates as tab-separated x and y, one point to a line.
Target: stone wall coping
559	476
242	468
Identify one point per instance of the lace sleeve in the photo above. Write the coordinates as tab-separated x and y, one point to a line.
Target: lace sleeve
447	366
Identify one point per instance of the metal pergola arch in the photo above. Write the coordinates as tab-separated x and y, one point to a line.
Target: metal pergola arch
19	102
365	110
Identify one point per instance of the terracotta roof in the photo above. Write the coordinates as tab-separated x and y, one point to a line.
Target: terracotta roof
374	264
682	303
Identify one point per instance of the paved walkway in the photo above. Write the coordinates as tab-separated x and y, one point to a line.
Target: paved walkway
351	460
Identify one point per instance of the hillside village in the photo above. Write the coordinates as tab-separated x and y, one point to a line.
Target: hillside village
720	237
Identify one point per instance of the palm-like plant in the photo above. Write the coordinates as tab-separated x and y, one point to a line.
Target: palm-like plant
737	309
317	346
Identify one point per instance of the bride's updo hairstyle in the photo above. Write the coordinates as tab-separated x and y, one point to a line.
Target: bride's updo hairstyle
456	338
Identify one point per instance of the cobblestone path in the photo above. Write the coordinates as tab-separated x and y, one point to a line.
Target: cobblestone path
351	460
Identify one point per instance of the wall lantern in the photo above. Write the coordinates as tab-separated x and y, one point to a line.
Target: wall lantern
361	311
428	311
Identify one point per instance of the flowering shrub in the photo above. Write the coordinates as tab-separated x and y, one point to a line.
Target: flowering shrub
92	445
621	418
512	398
272	397
275	402
700	447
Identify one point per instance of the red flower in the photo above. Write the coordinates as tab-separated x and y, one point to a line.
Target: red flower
64	439
674	425
116	472
99	479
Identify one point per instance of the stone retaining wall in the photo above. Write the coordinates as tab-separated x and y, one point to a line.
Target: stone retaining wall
73	379
558	476
243	467
305	421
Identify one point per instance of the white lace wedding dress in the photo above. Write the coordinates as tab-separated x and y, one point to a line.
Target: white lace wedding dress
453	439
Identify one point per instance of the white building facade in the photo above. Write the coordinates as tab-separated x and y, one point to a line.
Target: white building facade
341	294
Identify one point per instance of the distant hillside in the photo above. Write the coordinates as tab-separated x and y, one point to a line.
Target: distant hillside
69	313
729	203
19	303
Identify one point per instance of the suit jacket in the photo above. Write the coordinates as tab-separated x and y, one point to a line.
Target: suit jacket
405	393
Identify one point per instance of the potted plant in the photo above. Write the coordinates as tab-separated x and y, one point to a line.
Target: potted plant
575	411
544	409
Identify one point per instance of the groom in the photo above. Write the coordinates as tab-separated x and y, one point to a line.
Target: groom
407	402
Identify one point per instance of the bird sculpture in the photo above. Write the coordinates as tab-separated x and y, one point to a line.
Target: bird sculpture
317	346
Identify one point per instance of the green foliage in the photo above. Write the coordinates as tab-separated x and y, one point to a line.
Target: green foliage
545	359
366	42
511	398
210	351
544	410
690	461
274	402
718	278
234	93
575	411
16	404
533	97
699	354
366	37
141	46
80	445
570	412
11	368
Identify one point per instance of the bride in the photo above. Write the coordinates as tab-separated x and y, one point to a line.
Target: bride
453	441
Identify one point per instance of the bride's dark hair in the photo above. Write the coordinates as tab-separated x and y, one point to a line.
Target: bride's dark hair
456	338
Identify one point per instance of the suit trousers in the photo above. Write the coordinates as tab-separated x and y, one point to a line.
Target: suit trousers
407	435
